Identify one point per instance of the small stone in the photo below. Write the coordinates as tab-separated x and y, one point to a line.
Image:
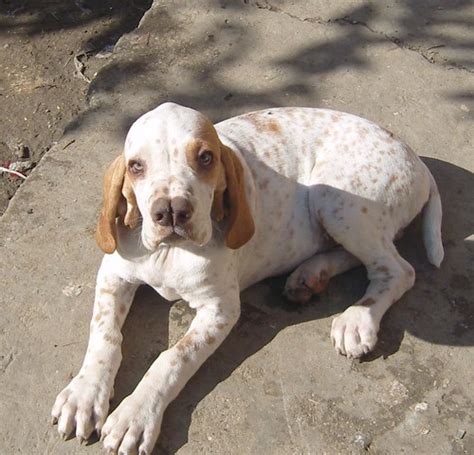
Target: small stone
72	290
464	108
445	383
29	211
421	407
424	431
460	434
362	441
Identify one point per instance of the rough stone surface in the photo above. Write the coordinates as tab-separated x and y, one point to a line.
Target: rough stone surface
275	386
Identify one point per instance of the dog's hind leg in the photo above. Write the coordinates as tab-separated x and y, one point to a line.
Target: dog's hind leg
363	228
313	275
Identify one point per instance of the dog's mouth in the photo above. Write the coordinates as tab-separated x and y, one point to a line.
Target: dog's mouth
171	235
177	234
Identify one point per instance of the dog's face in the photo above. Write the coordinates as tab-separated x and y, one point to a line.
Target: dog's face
176	174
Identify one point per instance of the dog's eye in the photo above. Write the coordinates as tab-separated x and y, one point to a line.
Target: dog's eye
135	167
205	158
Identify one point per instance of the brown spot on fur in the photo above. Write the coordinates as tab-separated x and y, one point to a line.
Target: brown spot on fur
112	339
173	363
367	302
220	326
383	269
187	341
101	362
364	209
106	291
97	317
122	309
263	124
210	339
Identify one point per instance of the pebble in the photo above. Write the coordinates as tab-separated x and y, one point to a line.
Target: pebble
460	434
362	441
421	407
72	290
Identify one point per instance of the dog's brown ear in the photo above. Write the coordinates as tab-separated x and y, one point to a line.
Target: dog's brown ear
118	200
241	226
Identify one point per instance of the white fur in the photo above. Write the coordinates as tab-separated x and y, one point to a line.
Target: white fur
316	179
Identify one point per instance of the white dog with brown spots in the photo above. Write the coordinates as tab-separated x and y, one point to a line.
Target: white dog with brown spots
201	212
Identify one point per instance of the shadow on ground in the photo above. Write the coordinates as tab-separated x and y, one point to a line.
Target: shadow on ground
33	17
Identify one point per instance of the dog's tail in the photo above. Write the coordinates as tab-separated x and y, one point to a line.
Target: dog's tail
432	215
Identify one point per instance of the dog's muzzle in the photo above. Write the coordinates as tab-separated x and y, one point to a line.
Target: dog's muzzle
173	215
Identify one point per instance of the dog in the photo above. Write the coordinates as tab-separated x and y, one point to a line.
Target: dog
200	212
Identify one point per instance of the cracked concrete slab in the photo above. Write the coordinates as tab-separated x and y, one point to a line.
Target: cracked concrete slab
275	386
438	30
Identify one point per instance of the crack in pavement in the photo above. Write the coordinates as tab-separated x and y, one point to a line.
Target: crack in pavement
430	57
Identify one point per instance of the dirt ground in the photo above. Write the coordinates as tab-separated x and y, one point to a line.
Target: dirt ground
49	52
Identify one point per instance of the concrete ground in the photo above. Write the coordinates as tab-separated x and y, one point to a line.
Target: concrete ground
275	386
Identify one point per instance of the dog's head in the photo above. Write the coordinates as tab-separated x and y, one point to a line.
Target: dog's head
176	177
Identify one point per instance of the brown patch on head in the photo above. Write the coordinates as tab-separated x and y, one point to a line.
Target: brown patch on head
122	308
119	200
195	149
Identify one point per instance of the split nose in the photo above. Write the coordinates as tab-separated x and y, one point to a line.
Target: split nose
172	212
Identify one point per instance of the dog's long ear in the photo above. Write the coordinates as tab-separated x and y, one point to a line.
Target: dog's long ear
233	202
118	199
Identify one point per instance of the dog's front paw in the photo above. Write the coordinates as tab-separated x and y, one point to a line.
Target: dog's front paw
134	426
83	405
354	332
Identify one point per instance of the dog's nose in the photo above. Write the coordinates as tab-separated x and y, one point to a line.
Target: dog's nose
182	210
174	212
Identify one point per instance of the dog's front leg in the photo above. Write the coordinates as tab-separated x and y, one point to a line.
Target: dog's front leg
84	403
134	426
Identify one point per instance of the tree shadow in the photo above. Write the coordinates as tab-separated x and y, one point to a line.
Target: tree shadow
33	17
